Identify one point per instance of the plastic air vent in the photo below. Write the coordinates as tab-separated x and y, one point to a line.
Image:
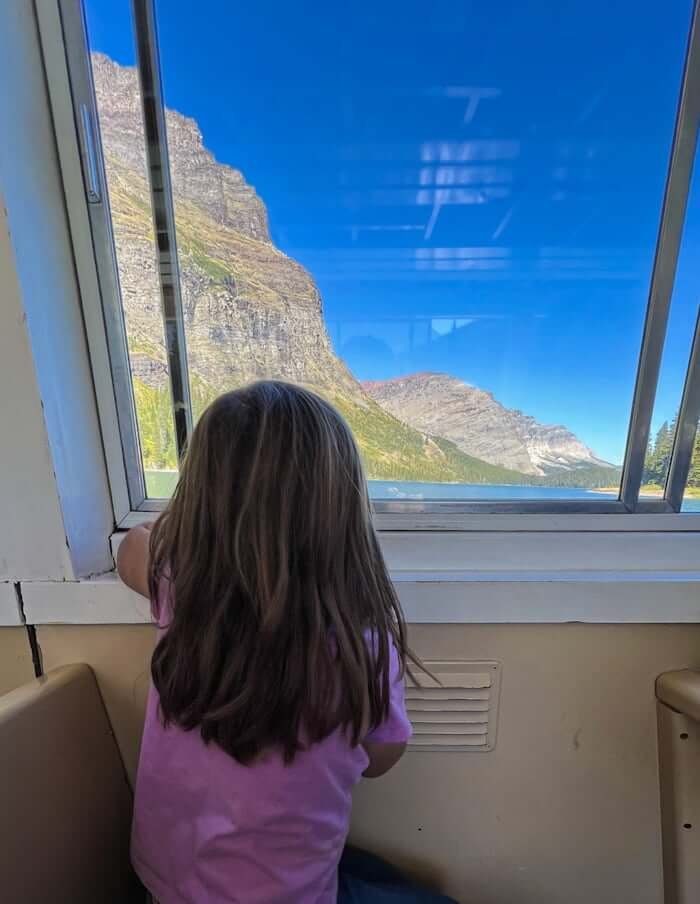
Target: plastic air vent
459	713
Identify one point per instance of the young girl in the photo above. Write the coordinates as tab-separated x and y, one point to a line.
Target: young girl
278	673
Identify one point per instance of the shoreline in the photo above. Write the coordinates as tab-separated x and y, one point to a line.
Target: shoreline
650	491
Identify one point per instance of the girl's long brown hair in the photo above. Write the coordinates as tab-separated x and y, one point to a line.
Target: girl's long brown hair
283	610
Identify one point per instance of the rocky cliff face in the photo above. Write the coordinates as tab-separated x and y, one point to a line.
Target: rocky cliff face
479	425
250	311
217	189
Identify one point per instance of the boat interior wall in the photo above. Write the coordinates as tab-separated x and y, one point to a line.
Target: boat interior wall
565	807
53	467
15	659
120	657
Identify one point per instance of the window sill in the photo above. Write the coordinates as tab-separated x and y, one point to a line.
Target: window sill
554	550
446	521
432	597
481	576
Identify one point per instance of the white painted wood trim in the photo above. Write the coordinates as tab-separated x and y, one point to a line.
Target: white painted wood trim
603	600
531	522
10	612
523	523
663	551
544	577
103	601
32	532
473	598
40	277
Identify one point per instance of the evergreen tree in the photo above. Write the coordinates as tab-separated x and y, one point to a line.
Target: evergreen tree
649	462
663	449
657	454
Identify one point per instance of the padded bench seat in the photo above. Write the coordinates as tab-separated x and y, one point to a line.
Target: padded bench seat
65	803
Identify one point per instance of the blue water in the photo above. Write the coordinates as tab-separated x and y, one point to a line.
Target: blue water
405	489
398	490
162	483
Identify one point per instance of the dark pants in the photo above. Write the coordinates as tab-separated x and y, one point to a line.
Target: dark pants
366	879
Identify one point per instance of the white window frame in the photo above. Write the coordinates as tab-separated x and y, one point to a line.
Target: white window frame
64	46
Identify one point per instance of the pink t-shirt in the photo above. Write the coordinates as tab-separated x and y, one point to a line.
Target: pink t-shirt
207	830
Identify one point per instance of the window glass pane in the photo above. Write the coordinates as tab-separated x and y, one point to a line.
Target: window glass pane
121	128
691	499
443	220
681	326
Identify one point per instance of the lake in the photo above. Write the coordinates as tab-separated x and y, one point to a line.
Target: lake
396	490
162	483
391	490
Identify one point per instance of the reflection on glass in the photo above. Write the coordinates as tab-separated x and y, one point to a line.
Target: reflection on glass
121	126
681	325
450	241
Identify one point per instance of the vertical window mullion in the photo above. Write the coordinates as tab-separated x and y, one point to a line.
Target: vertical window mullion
97	271
684	439
664	271
148	65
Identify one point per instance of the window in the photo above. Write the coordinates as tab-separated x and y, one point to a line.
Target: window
119	104
448	224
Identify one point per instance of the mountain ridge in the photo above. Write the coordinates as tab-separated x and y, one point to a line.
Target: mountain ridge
478	424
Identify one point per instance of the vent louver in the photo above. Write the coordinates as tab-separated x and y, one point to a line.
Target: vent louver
459	713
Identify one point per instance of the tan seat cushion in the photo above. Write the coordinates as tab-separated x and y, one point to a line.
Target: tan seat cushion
65	804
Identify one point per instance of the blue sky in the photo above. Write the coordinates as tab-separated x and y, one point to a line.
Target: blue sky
475	187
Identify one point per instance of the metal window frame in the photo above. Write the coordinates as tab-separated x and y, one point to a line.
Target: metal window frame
686	427
162	208
664	273
65	51
410	514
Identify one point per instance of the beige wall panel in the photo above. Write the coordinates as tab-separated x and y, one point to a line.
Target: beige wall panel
15	659
120	656
565	809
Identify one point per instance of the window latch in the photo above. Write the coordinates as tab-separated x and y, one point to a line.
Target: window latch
92	170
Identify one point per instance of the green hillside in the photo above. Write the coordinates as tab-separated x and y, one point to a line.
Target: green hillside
390	450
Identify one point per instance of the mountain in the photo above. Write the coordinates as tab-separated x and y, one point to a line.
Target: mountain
480	426
250	311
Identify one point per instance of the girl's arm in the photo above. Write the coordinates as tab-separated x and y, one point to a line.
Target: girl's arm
385	745
383	756
132	559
